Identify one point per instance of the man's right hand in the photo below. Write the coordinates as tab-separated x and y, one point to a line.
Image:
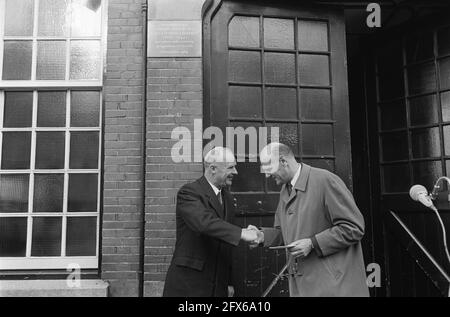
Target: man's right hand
259	239
249	235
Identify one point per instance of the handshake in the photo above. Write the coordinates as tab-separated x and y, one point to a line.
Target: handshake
252	235
298	249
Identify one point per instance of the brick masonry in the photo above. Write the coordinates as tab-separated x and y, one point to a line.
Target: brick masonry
174	98
123	95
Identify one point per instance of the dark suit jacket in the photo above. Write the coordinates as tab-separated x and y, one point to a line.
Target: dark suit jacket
201	263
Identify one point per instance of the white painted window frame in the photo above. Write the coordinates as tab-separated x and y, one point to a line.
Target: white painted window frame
60	262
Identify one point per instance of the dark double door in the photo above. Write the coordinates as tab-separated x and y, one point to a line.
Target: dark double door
276	64
407	76
280	64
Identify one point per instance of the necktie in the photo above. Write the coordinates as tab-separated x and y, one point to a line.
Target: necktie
289	188
219	197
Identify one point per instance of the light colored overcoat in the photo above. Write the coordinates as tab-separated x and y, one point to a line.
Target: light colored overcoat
321	208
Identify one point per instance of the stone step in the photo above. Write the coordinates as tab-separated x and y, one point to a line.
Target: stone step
53	288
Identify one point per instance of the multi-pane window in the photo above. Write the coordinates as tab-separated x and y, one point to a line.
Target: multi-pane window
414	110
51	40
51	57
279	75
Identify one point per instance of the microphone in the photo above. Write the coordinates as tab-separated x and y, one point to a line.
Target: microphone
420	193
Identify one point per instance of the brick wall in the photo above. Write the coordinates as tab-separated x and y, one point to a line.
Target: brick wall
174	98
123	93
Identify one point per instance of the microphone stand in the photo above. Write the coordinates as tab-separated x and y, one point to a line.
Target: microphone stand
433	196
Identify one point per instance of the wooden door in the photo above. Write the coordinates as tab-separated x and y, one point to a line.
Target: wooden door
276	64
409	128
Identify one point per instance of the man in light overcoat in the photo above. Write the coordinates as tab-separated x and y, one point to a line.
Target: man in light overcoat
318	220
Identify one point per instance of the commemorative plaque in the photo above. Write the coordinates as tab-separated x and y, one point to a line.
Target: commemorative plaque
174	39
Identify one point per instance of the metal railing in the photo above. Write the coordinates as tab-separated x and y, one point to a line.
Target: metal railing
423	258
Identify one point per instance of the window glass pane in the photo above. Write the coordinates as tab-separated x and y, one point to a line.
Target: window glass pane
13	237
421	78
46	240
85	60
447	139
394	146
81	236
245	102
279	68
51	109
84	150
391	84
423	110
444	73
17	60
51	60
279	33
52	17
18	109
314	69
419	47
390	73
86	17
315	104
83	192
14	193
426	173
396	178
244	66
312	35
393	115
249	178
48	192
288	135
84	108
242	133
16	150
443	43
390	57
425	143
445	104
317	139
50	150
281	103
244	31
19	17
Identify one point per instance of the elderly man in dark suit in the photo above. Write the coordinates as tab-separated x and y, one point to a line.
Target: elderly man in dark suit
201	263
318	220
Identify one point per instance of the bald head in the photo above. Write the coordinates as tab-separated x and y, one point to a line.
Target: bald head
276	150
271	154
278	161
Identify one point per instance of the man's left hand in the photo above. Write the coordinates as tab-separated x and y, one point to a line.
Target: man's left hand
300	248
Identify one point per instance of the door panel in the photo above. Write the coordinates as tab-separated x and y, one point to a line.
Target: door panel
411	136
272	64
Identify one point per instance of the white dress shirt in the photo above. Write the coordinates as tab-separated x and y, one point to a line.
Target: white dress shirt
214	187
296	176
